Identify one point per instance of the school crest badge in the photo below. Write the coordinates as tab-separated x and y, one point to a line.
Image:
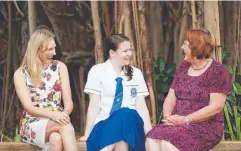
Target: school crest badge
133	92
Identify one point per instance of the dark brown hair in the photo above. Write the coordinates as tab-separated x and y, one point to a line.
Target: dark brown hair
200	43
112	43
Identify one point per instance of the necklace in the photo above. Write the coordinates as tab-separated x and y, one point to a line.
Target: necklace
202	67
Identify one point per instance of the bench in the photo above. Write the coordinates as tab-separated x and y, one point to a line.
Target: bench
12	146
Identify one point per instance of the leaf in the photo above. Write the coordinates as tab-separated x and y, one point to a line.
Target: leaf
165	78
238	73
164	88
171	70
234	68
237	88
157	77
162	64
229	123
230	69
225	55
17	138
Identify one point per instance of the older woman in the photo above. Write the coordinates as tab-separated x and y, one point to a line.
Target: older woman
193	109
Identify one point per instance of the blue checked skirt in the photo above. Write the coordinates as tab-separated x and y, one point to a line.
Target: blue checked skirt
123	125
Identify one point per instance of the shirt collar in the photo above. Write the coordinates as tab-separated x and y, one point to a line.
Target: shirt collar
111	72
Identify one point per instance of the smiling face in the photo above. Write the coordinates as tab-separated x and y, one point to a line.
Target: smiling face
47	51
187	51
123	54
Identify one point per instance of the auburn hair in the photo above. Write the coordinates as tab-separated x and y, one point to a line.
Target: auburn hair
200	43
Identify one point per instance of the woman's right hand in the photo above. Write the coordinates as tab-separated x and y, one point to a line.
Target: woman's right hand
83	138
60	117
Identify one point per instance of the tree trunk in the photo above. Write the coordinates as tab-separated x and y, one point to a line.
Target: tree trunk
146	57
194	15
7	68
178	56
99	56
137	34
211	23
128	30
155	29
32	17
234	30
221	23
107	20
82	100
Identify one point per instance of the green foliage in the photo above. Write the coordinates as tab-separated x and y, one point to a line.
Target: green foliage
232	110
225	54
17	137
164	74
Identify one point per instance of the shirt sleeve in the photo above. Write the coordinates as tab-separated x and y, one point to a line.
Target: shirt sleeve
93	82
219	81
142	88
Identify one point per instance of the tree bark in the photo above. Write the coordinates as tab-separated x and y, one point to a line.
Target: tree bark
155	29
82	100
107	20
7	67
32	17
211	23
234	30
128	30
137	35
146	57
194	15
178	56
221	23
99	56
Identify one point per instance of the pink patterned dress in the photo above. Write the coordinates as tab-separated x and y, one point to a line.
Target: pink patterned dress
32	129
192	93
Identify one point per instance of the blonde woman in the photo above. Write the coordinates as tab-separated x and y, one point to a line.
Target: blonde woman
40	82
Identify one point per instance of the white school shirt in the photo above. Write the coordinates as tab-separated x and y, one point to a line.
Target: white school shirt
101	81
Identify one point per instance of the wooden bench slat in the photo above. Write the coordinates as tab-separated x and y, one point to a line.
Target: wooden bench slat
12	146
227	146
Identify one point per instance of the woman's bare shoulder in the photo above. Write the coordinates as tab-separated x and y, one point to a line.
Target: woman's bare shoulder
19	74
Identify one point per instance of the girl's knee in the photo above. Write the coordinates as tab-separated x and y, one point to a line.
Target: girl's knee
67	128
122	143
121	146
55	141
55	137
153	144
150	141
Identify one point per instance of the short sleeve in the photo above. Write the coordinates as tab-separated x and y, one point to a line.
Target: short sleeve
93	82
142	88
174	81
219	81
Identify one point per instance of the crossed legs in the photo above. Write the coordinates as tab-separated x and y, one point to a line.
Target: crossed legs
60	137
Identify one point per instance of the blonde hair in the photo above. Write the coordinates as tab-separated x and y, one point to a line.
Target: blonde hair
31	61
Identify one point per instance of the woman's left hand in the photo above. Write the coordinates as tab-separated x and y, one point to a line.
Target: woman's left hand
176	120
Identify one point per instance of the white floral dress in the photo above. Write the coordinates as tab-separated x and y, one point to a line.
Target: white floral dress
48	95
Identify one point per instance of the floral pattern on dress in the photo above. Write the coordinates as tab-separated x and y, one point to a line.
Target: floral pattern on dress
192	94
48	96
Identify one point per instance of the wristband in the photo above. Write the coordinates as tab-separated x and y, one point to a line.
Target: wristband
187	120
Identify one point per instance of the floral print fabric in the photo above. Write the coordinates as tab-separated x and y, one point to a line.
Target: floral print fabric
48	96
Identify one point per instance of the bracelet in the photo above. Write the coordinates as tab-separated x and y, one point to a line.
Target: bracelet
187	120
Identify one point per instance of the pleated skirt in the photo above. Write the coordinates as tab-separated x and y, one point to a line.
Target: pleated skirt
123	125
